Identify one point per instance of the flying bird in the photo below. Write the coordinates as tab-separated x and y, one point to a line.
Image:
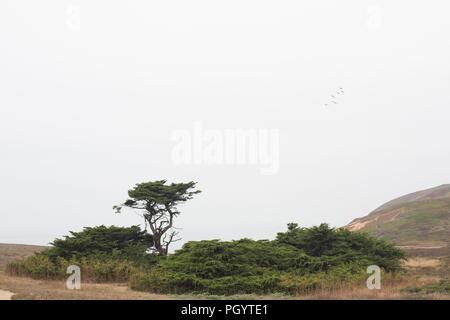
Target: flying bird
334	97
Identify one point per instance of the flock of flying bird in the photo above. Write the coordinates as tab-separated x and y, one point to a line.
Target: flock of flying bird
335	96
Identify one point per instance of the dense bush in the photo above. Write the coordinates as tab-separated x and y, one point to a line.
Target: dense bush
337	246
160	281
212	259
110	242
41	266
299	260
104	254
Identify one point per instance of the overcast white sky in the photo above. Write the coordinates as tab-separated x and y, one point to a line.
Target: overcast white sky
87	110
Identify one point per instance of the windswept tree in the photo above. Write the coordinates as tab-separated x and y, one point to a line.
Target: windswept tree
157	202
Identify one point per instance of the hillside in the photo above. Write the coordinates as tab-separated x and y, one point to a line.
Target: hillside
419	221
11	252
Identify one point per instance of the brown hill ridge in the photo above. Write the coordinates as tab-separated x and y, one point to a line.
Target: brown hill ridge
419	221
441	192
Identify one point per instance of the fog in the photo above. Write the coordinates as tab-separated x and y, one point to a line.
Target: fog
93	92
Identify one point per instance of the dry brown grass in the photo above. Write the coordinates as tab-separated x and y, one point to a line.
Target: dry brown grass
389	291
422	262
29	289
11	252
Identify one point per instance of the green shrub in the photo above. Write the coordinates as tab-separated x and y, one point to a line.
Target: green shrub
298	261
41	266
104	254
213	258
340	246
38	267
112	270
104	242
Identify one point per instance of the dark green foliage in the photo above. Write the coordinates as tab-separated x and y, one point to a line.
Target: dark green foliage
109	242
299	260
337	246
162	193
213	259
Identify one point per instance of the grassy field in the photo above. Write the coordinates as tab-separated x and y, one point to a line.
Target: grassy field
11	252
422	272
29	289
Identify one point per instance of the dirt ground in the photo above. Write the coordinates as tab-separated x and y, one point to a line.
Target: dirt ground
6	295
29	289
